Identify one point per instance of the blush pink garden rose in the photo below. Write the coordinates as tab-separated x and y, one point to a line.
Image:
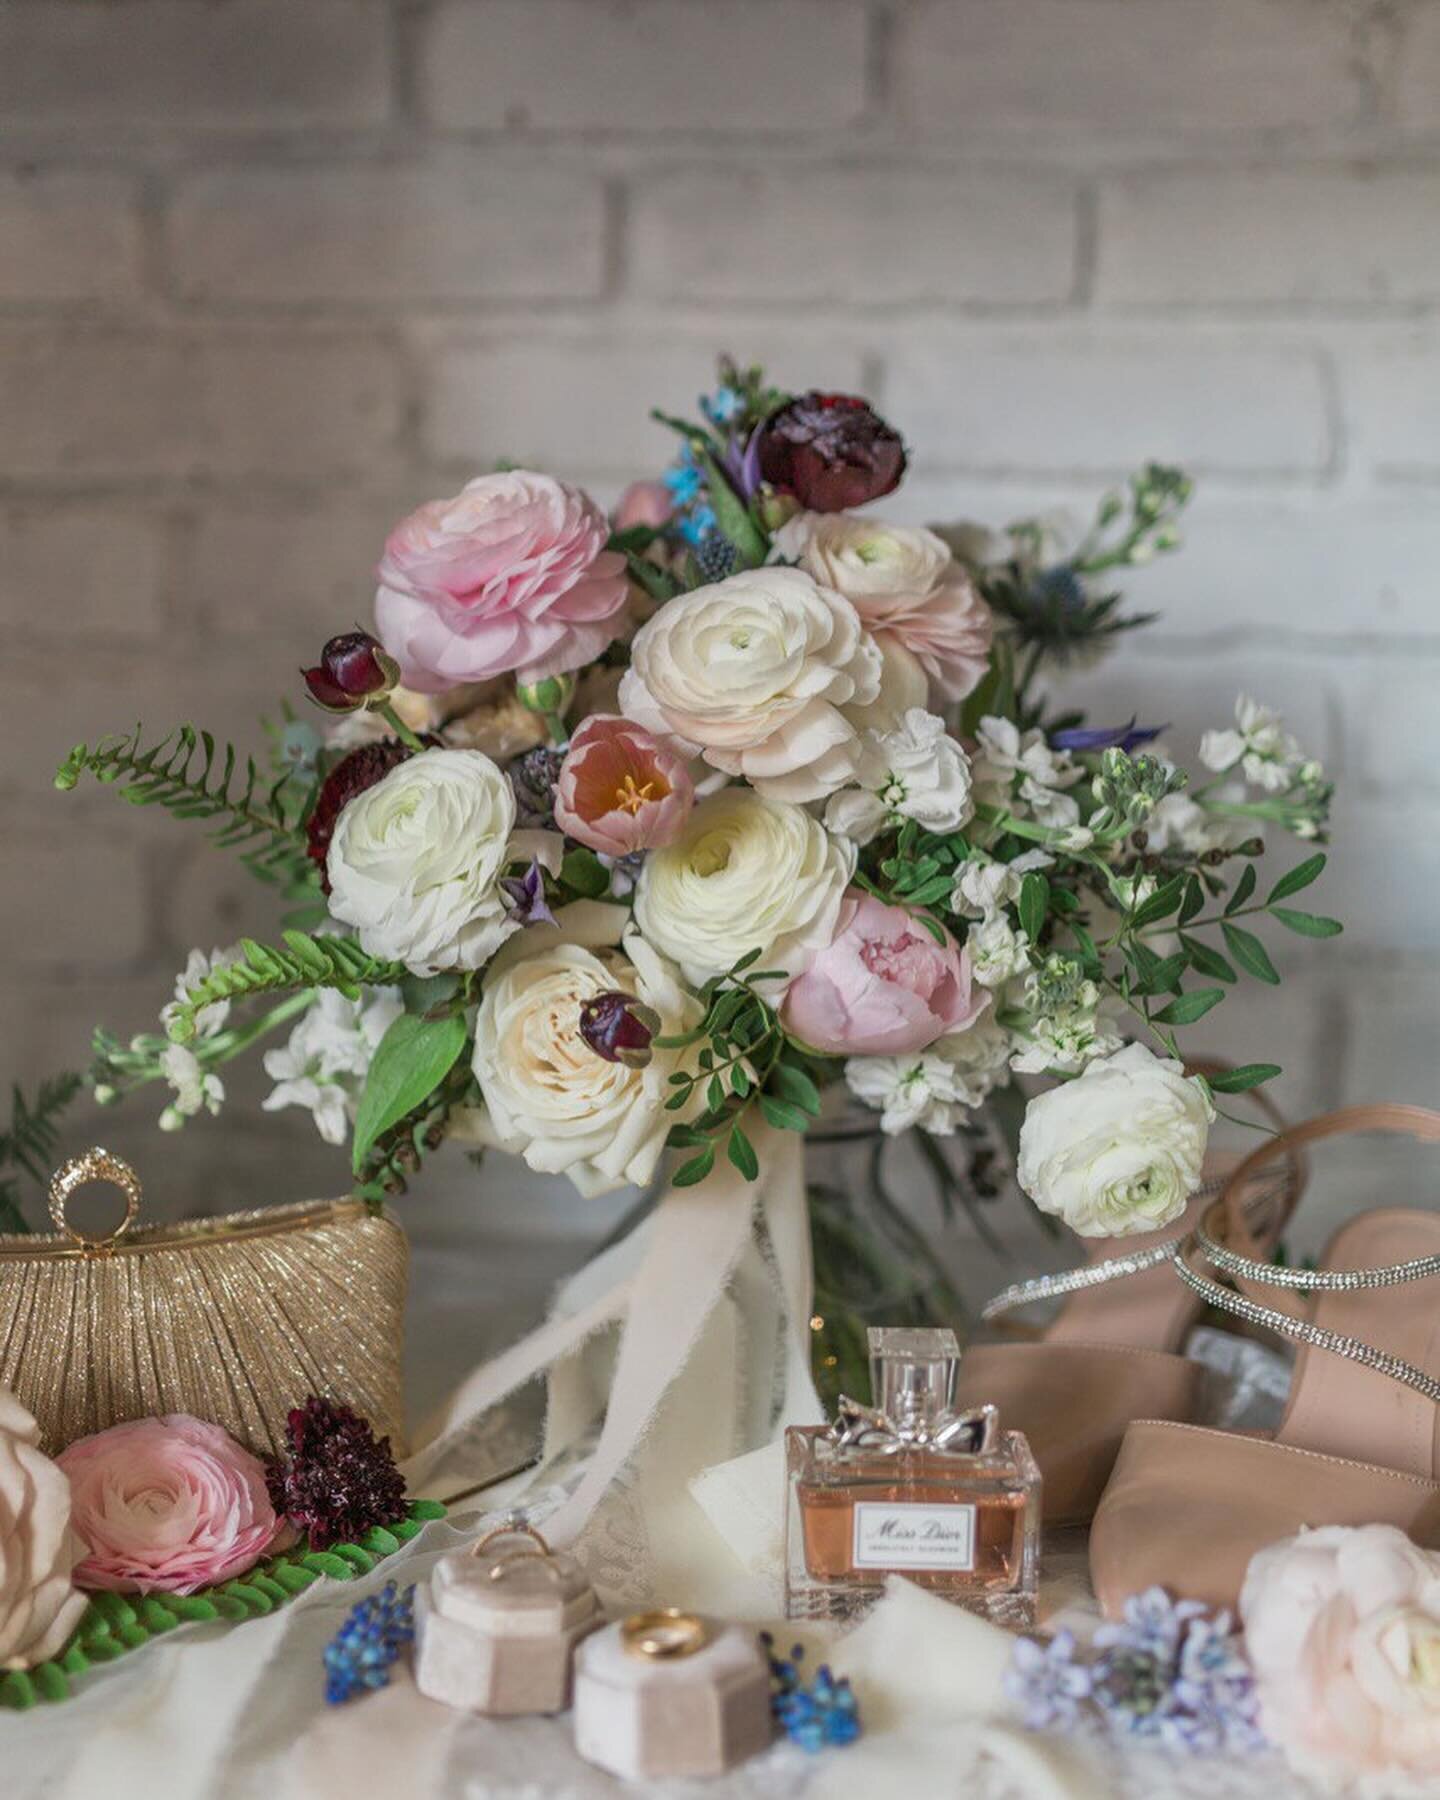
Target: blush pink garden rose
620	789
907	588
883	986
1342	1626
510	574
166	1505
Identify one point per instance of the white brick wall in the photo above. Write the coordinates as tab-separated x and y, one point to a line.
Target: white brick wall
272	273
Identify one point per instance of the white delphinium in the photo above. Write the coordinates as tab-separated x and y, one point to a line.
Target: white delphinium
915	771
1260	747
195	1088
1023	774
936	1087
210	1020
324	1064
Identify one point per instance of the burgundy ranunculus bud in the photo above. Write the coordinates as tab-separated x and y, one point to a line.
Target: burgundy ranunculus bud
354	773
618	1027
353	671
831	451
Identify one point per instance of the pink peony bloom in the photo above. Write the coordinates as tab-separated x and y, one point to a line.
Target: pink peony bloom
512	573
620	789
166	1505
644	503
1342	1626
883	987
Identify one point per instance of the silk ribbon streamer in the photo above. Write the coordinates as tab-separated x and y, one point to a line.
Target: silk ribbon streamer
688	1250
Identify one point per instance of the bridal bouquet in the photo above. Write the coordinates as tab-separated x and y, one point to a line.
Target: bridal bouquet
626	834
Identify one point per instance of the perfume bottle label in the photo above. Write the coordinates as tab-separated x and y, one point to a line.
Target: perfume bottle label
908	1536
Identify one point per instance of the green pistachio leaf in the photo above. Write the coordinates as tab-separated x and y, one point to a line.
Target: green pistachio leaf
742	1154
1244	888
1206	961
1185	1009
1249	1075
795	1085
696	1169
1250	953
1307	924
1299	877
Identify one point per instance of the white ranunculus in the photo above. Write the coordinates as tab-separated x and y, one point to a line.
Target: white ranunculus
864	558
548	1096
1119	1149
416	860
751	674
916	771
748	872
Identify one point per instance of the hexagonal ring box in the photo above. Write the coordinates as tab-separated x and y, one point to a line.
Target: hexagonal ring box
496	1630
669	1693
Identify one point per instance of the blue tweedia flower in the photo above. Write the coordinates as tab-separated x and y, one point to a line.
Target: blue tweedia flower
1106	737
697	524
359	1656
683	479
1046	1682
819	1716
725	404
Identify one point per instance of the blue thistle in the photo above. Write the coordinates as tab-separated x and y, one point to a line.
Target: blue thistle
715	556
359	1656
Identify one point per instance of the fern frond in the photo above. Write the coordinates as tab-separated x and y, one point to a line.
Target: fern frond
30	1142
303	962
194	777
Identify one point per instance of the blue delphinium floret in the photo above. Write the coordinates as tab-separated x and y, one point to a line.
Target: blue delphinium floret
360	1655
819	1715
1046	1682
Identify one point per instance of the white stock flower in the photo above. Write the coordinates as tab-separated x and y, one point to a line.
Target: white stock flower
751	674
937	1087
416	860
1119	1149
324	1064
552	1099
1263	750
1180	823
210	1019
983	887
1066	1038
998	950
747	872
195	1089
1024	775
916	771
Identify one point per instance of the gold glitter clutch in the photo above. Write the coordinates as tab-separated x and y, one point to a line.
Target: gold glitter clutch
235	1319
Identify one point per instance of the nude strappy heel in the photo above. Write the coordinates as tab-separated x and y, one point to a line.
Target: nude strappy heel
1112	1352
1360	1440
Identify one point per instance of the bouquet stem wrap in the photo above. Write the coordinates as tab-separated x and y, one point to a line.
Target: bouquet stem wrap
718	1275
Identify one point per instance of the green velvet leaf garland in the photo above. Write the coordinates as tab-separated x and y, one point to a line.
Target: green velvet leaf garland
115	1623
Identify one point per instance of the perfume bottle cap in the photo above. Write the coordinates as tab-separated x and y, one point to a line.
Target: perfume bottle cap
912	1373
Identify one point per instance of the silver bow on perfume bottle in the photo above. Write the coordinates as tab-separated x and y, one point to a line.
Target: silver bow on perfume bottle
970	1433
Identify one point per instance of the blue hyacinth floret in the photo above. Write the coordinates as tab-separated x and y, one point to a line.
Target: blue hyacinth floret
814	1715
1170	1671
359	1656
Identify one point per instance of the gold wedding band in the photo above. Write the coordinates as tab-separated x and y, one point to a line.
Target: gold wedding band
663	1634
94	1165
536	1551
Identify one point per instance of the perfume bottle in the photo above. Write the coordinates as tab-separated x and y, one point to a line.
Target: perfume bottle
909	1487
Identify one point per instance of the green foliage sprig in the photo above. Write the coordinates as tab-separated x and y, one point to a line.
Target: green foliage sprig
30	1143
114	1623
193	777
304	962
746	1061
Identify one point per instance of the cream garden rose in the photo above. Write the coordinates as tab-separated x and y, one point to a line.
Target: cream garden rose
548	1096
748	872
752	674
415	861
39	1604
1118	1150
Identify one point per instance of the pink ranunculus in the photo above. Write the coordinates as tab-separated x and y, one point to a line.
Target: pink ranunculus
1342	1626
644	503
883	986
166	1505
512	573
620	789
947	631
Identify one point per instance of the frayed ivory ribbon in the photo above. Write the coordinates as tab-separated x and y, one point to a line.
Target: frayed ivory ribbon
688	1249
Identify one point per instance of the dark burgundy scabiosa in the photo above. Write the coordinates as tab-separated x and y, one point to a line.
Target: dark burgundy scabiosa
353	671
354	773
618	1027
831	451
339	1480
